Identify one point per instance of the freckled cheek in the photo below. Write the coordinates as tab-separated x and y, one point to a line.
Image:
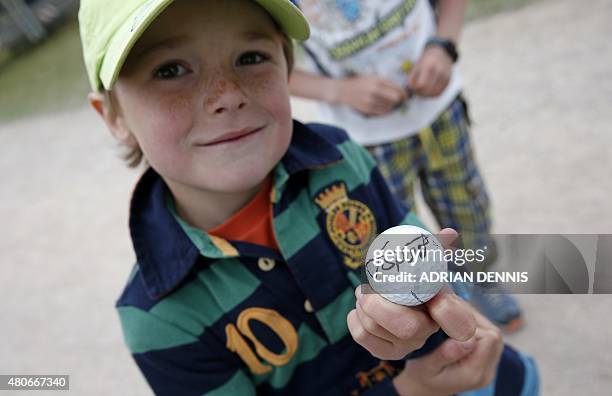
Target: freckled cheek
280	108
167	121
272	94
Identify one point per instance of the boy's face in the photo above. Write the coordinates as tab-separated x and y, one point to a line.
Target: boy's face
204	94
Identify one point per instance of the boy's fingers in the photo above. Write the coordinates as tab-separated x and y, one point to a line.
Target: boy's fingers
372	327
490	336
390	96
398	92
441	84
382	82
448	238
453	315
432	84
409	325
377	347
450	352
414	78
424	78
379	110
478	368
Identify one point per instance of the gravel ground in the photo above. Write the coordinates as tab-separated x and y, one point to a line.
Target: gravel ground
540	87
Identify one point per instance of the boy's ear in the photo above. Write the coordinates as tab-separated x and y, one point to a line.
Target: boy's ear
112	118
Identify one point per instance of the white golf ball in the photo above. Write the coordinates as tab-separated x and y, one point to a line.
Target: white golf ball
404	263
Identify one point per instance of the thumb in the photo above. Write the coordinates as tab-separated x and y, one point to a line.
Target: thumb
449	238
450	352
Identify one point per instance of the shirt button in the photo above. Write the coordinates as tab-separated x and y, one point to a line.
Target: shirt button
308	306
266	264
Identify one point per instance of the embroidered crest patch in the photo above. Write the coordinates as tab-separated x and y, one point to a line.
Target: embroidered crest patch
350	223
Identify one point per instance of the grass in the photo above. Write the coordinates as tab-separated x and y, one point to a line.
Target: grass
483	8
51	77
47	78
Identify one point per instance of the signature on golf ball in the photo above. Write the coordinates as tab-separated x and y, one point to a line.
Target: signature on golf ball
404	263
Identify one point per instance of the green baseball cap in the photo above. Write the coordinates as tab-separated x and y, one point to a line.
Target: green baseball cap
110	28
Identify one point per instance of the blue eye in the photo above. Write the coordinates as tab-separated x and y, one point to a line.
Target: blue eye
251	58
170	70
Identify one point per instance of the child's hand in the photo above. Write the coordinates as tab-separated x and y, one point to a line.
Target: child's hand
370	95
454	366
390	331
431	74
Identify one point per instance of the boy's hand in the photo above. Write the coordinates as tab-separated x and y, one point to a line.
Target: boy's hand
454	366
390	331
370	95
431	74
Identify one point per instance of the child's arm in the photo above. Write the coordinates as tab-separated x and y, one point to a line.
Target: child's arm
369	95
177	361
432	72
450	18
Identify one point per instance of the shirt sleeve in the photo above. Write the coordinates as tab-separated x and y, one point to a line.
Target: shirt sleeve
176	362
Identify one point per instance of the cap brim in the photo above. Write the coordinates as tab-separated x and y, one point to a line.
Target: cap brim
125	38
290	18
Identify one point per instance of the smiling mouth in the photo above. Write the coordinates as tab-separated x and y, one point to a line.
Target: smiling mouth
232	136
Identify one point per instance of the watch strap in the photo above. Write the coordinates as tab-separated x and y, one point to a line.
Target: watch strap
446	44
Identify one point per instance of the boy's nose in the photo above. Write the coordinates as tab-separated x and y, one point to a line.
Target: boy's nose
225	96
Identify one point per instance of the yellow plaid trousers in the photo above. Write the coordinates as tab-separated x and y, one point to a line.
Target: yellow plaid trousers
441	158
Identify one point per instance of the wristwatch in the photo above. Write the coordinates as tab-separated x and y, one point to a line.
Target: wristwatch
446	44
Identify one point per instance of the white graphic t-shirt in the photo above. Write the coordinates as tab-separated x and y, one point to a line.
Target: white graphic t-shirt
374	37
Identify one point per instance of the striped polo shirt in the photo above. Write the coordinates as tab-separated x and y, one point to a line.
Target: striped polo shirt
205	315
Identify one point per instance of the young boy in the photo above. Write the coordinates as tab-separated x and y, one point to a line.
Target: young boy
248	227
